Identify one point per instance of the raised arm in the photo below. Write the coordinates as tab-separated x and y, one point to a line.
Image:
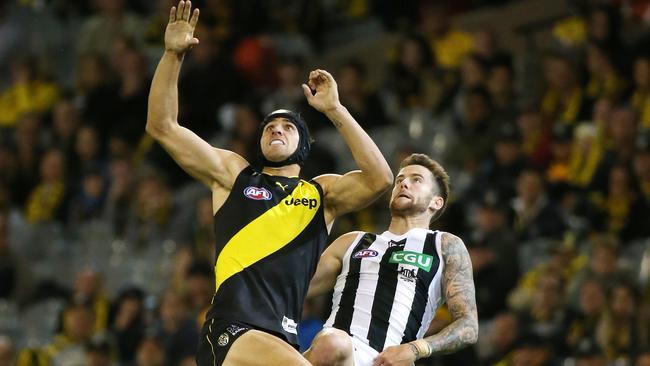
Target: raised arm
330	264
193	154
358	188
458	286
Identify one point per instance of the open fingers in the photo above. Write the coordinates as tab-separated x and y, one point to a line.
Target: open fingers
172	15
187	10
195	18
180	9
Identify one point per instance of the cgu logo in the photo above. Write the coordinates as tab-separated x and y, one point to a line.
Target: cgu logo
257	194
423	261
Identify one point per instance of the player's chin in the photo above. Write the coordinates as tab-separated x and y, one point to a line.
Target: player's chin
396	206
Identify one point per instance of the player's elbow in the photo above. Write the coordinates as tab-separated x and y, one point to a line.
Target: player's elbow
155	128
471	332
386	180
381	181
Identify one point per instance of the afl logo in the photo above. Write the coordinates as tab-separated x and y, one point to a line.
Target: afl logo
365	253
257	194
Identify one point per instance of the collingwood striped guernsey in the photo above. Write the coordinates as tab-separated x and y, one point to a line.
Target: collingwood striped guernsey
389	287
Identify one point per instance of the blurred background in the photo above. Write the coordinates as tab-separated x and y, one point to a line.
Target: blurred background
539	109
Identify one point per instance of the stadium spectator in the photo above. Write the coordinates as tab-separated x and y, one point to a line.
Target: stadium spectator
110	21
29	92
534	215
176	330
48	200
128	323
151	352
564	99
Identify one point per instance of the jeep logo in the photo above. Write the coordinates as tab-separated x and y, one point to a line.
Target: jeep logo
309	202
422	261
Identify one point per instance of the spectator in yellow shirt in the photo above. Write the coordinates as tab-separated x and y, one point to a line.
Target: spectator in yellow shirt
29	92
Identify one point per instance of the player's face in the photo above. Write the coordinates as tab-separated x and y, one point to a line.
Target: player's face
413	192
279	139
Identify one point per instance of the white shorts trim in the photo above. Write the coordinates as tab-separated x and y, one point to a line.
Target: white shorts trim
363	353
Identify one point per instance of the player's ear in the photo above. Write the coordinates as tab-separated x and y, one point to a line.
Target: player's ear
436	203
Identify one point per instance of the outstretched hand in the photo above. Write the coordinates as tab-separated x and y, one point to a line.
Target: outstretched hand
179	35
327	94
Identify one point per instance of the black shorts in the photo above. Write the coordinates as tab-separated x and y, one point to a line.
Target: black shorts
216	338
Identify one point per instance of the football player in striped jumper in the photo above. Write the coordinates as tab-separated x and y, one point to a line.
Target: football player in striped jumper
388	286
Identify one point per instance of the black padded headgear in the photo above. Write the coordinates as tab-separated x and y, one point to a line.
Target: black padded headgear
304	139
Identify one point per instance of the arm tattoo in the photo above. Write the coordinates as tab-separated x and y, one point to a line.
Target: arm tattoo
458	286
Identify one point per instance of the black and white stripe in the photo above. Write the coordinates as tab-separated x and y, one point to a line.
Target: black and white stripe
384	303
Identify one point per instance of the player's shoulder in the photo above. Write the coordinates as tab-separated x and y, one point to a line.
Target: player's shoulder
342	243
450	243
348	237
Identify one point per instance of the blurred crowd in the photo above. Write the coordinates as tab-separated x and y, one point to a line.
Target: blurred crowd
106	246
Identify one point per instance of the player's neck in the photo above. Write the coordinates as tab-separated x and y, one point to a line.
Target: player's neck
402	224
292	170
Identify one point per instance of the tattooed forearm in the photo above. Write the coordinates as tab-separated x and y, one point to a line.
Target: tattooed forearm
458	286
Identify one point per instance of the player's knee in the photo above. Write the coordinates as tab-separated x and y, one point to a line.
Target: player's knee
330	348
